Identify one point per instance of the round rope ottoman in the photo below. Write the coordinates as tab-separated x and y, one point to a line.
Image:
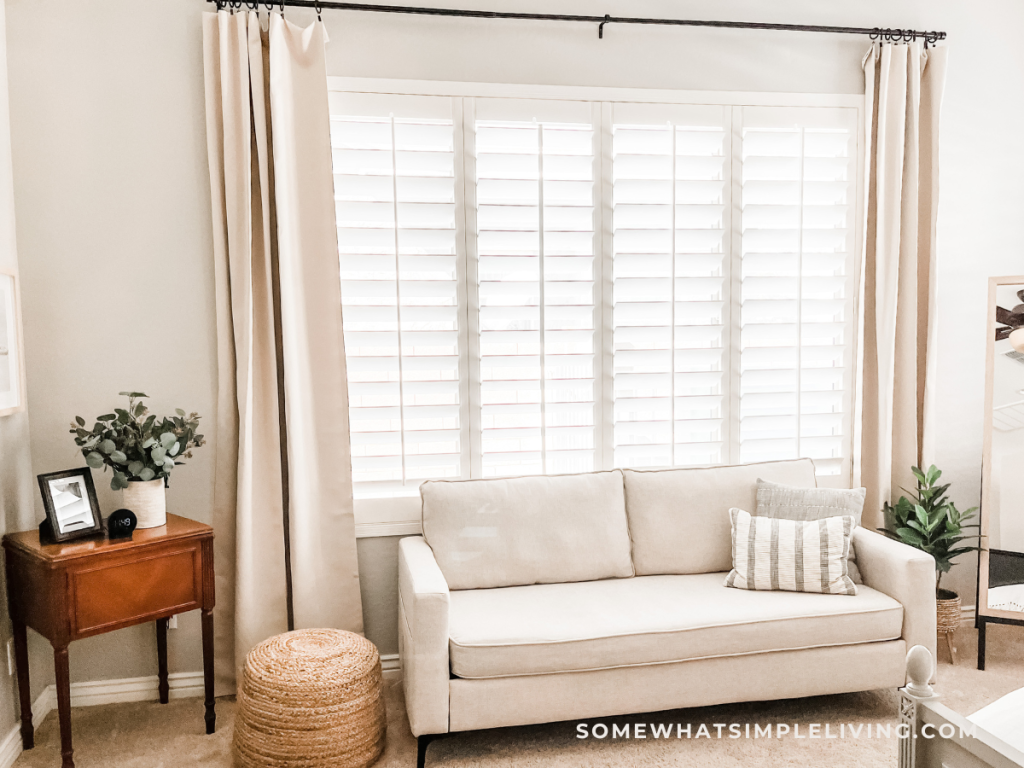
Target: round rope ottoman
310	698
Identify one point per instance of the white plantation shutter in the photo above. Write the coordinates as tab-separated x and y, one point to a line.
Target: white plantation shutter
533	221
798	215
670	189
396	209
549	286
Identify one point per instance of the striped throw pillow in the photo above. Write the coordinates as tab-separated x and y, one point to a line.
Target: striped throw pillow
791	555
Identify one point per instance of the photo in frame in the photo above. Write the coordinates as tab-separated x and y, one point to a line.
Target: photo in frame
71	507
12	357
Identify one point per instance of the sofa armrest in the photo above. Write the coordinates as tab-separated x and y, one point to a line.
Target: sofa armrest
423	636
905	574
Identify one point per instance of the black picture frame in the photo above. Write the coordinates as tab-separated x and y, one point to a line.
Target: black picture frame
82	522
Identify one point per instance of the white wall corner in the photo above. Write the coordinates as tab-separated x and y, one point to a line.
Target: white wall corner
10	747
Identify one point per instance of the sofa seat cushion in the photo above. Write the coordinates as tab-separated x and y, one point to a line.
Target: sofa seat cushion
550	628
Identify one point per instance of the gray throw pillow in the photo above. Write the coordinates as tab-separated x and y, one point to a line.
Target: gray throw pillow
785	502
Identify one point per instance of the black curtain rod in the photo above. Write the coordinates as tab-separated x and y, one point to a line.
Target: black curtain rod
876	33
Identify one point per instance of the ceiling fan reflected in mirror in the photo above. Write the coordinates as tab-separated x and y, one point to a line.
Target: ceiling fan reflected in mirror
1011	324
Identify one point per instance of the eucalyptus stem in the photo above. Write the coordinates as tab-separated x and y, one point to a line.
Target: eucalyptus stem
135	444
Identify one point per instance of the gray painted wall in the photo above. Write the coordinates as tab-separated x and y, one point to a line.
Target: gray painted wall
378	582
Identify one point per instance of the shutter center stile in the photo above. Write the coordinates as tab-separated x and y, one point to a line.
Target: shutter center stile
542	299
801	176
398	295
672	294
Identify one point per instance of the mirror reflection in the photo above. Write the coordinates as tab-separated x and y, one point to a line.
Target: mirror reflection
1004	508
71	504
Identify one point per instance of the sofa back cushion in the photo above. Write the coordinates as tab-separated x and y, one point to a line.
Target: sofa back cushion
527	530
679	518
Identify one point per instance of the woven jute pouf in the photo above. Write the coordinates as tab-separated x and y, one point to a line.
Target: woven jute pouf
310	698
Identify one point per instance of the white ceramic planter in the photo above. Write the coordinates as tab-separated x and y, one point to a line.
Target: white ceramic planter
147	499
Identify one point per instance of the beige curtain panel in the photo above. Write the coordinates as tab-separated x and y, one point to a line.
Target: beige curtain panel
285	532
903	93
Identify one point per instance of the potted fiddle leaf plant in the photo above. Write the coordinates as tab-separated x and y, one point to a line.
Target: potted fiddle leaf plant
141	449
930	521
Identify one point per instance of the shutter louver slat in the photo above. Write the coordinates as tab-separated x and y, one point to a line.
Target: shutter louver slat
669	293
797	234
535	245
395	196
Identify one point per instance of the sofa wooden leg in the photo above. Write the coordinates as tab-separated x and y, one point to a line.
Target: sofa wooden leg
422	742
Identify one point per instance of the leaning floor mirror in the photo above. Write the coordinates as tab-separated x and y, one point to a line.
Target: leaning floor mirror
1001	563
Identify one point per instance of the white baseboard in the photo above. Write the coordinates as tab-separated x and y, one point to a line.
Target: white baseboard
10	747
89	694
967	614
182	685
390	665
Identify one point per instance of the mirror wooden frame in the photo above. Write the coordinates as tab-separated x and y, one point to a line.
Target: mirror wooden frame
16	345
982	613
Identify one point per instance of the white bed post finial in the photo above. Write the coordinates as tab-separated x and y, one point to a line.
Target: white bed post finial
920	667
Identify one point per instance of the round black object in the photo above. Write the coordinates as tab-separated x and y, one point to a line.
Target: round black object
121	524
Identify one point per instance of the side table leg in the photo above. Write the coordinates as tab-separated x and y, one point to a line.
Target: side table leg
24	691
60	665
211	716
161	653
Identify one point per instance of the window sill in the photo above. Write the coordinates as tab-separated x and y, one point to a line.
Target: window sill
388	516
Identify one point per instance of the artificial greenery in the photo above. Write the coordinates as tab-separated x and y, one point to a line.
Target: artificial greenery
136	444
931	522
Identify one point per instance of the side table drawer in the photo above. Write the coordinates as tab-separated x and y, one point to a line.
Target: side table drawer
132	592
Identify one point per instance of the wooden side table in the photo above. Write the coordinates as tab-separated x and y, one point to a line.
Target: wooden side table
87	587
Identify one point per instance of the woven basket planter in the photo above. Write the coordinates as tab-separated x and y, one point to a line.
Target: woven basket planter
947	611
310	698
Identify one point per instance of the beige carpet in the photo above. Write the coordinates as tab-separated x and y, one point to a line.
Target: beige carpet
151	735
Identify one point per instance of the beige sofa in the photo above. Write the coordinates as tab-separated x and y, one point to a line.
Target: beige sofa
539	599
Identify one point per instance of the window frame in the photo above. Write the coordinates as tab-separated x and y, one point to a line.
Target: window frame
399	514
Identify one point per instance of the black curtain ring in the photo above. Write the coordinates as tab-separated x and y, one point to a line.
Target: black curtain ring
316	5
600	27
